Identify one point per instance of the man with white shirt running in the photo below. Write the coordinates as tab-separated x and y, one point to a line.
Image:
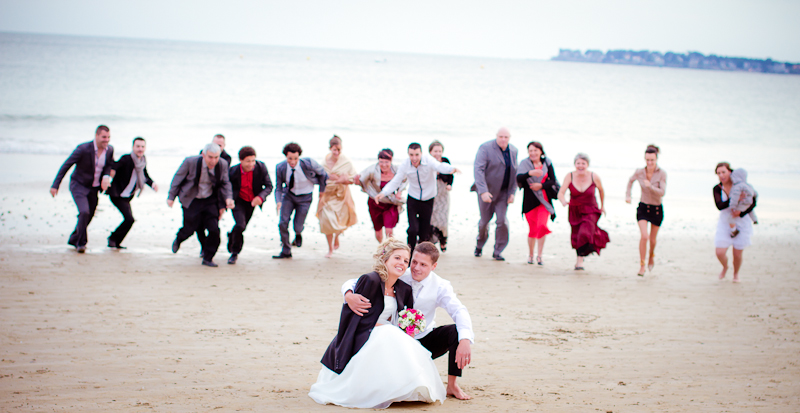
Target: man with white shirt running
420	170
431	291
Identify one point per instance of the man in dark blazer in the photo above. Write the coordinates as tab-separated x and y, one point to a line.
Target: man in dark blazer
294	193
219	139
130	176
496	183
203	187
92	162
251	186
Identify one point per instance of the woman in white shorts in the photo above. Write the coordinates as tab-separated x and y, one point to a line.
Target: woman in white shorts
723	239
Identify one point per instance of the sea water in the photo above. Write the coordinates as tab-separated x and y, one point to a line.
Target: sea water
54	90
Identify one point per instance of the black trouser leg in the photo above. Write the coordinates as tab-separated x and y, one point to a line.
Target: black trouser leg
210	222
442	340
124	207
242	212
192	220
419	221
86	204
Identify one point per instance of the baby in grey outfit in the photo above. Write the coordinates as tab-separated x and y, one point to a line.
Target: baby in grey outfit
740	186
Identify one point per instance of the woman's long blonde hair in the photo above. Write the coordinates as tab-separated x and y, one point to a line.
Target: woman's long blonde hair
385	250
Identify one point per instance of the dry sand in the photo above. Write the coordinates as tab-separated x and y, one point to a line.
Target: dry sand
146	330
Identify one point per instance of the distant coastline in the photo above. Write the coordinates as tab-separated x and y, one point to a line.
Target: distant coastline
692	60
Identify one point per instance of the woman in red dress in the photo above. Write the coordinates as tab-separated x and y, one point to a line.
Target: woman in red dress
537	180
587	237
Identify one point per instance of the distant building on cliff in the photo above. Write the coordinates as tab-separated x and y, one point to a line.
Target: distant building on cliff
692	60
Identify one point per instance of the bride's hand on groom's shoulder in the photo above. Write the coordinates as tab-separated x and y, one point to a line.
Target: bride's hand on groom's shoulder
357	303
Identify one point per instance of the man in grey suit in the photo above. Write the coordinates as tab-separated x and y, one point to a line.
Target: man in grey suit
495	182
93	161
294	193
204	189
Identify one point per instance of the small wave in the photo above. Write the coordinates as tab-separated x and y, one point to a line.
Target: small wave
99	119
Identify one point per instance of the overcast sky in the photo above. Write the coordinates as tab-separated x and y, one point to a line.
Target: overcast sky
510	29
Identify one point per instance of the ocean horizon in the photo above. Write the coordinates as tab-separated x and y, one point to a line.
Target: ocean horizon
57	89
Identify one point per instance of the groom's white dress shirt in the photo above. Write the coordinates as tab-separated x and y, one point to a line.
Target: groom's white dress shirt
432	292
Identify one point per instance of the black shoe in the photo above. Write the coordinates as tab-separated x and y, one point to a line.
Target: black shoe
298	241
81	249
498	258
478	252
209	263
113	244
232	259
282	256
175	246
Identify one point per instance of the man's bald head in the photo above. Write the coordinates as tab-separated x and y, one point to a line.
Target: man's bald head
503	136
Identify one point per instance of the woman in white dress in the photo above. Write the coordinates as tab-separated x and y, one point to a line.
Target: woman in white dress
723	239
371	363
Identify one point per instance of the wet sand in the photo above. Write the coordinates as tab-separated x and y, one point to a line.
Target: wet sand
147	330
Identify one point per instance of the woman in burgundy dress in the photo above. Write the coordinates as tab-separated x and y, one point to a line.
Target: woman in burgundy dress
587	237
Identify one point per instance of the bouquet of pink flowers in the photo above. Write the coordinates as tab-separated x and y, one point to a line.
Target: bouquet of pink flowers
411	321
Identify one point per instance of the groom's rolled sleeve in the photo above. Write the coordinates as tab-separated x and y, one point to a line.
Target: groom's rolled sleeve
349	285
458	312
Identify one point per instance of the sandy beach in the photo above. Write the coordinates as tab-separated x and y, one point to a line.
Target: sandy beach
147	330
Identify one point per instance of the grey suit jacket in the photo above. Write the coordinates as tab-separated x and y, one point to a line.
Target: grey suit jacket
83	157
184	187
490	169
313	171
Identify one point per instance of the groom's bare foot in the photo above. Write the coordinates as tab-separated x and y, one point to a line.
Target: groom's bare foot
455	391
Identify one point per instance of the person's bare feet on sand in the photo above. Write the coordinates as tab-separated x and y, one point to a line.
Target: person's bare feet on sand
455	391
736	278
329	254
723	272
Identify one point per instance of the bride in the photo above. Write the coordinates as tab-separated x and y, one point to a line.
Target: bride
372	363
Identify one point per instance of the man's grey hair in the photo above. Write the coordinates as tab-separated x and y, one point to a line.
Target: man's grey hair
583	156
212	148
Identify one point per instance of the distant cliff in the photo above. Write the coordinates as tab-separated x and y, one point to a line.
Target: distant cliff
692	60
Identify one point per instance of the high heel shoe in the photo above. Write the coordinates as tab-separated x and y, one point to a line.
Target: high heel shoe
641	273
653	264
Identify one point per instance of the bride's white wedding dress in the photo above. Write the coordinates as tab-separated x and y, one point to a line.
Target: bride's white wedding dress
390	367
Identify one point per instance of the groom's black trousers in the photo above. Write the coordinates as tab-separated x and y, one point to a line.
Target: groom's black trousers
441	340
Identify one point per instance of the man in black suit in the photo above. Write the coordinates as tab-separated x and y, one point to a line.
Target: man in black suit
92	162
219	139
251	186
130	176
204	190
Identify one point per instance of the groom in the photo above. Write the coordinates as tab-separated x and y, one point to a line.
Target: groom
431	291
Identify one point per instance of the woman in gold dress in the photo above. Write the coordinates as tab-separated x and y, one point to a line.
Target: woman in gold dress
336	210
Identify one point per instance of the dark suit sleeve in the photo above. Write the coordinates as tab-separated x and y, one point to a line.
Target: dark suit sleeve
177	180
267	183
321	175
446	178
522	180
227	190
72	160
279	183
109	161
147	179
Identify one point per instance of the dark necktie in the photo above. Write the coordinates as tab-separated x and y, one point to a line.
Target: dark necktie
291	180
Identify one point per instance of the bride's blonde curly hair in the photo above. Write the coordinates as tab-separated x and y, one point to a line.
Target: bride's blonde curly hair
385	250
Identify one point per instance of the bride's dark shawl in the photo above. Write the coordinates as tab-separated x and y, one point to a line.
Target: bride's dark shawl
354	330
